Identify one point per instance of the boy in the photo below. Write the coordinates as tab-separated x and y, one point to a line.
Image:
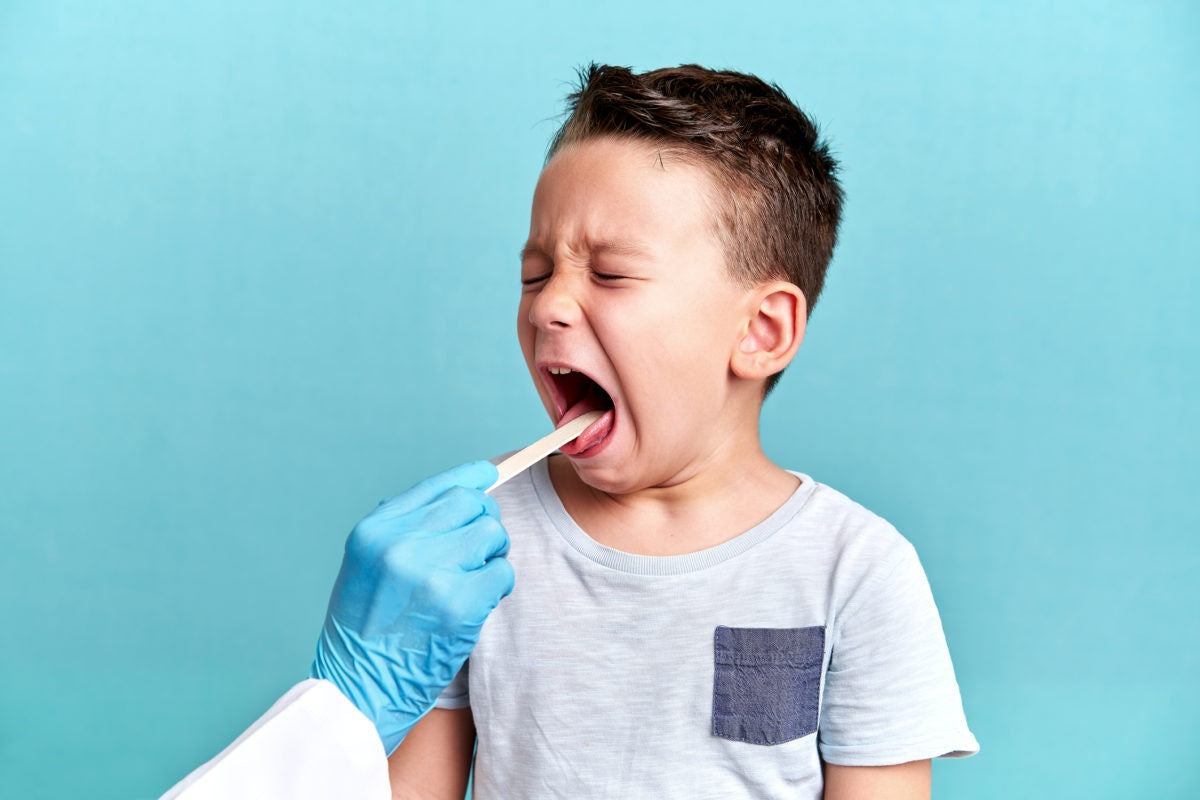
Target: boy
689	619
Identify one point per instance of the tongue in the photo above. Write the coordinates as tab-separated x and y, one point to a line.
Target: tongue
593	433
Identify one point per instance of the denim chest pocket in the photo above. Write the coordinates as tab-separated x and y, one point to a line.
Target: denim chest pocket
767	683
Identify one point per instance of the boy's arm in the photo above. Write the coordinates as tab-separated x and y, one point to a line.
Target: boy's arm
909	781
434	760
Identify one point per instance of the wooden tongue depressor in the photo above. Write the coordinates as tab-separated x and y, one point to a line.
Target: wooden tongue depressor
525	458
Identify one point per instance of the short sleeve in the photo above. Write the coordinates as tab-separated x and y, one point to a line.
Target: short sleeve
456	695
890	694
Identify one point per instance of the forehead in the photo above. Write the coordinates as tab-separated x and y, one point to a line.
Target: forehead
626	193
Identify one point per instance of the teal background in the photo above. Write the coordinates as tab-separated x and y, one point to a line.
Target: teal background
258	269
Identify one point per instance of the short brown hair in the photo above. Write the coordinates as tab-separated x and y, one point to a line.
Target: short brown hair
784	203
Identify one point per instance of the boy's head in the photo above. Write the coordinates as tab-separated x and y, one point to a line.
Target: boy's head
780	201
678	238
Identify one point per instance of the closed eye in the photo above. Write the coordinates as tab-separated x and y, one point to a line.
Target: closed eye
610	277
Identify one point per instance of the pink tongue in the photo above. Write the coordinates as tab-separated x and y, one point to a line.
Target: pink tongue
592	433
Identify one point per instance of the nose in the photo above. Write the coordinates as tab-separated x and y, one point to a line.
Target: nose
556	304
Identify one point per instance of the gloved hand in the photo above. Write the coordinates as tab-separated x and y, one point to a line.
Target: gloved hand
420	575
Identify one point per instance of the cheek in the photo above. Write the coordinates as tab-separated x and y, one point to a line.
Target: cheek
633	318
681	364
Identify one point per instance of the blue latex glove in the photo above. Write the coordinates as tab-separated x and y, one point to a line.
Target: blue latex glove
420	575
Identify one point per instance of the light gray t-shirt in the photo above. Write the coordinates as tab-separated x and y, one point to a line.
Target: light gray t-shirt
729	672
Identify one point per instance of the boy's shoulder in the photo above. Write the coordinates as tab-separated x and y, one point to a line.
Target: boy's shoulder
836	507
851	531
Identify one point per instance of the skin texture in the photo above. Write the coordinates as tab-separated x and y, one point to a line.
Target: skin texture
624	279
434	759
909	781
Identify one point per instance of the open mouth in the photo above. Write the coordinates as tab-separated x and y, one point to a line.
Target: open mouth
575	394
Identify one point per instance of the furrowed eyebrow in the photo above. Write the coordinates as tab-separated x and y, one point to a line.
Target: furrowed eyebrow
616	247
619	247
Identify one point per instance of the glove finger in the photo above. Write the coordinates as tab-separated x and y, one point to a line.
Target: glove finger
478	542
449	511
474	475
492	582
453	509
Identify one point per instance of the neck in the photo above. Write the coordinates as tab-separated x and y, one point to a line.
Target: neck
728	491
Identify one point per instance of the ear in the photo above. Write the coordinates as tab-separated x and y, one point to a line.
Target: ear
772	331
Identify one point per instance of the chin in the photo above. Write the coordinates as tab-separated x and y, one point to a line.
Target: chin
612	479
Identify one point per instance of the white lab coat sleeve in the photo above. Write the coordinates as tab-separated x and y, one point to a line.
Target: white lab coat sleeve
313	744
